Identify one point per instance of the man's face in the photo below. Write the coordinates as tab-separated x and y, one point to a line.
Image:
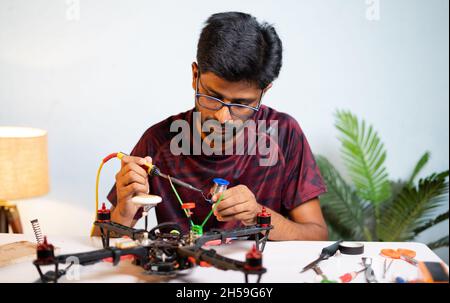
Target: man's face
241	92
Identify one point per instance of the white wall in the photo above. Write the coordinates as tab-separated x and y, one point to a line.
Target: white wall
98	81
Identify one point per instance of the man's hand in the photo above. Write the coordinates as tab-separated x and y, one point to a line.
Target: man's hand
131	180
238	203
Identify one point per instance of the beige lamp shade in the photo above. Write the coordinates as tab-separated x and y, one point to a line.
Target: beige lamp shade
23	163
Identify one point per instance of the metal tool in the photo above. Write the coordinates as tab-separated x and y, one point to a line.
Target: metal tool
386	267
176	181
400	253
153	170
369	273
350	276
327	252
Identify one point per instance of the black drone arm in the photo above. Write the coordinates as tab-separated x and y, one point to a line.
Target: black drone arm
237	232
211	257
119	229
249	267
92	257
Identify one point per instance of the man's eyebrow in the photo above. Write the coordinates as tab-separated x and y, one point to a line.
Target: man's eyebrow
236	100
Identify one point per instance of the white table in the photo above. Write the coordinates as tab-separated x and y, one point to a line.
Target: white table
283	261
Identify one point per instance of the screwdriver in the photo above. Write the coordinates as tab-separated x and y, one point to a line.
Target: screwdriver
152	170
327	252
345	278
320	273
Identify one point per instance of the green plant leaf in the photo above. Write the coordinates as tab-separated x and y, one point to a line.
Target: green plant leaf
334	235
342	208
431	222
396	189
364	156
412	208
422	162
442	242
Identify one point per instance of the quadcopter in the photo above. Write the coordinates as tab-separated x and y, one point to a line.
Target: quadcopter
165	249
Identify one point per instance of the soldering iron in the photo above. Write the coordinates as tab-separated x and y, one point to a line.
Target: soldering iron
153	170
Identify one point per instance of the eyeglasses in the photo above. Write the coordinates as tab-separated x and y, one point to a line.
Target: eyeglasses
239	111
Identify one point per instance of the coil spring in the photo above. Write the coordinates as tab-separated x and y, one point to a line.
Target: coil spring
37	231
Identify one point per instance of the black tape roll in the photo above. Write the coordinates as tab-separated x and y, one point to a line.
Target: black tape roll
351	248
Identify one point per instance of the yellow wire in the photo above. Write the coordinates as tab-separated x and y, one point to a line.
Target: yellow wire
96	196
178	196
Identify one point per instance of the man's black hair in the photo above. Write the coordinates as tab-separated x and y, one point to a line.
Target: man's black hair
235	47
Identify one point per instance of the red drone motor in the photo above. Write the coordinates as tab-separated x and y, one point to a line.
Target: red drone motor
45	252
103	214
263	218
253	259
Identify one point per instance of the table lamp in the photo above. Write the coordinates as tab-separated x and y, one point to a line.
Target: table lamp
23	171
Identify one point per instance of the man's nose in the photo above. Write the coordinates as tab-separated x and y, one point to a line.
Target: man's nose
223	115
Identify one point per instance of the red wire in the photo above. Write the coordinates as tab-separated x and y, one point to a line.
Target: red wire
109	157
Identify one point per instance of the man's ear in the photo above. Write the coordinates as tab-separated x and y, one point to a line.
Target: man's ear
194	75
267	87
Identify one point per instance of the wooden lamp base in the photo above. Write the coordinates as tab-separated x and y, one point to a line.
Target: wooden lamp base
9	217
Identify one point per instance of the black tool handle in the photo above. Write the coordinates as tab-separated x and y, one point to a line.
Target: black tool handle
329	251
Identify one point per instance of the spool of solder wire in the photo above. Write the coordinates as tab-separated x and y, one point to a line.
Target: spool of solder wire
219	186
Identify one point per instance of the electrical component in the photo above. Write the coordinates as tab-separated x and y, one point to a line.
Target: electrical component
197	230
263	218
188	206
37	231
45	252
125	243
253	259
145	240
103	214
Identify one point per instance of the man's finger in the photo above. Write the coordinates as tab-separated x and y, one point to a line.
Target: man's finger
230	202
135	189
133	176
238	217
238	190
232	210
133	167
230	206
132	159
226	194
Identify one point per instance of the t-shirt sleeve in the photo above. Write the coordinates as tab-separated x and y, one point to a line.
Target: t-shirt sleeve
303	179
140	150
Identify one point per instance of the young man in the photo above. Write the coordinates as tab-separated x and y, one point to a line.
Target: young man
238	59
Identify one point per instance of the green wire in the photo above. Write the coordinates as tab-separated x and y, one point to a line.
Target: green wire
212	210
185	211
181	202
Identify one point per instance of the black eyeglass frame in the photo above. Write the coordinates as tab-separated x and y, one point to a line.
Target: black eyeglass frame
229	105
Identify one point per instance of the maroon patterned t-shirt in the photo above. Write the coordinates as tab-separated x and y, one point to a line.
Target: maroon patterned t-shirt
293	180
